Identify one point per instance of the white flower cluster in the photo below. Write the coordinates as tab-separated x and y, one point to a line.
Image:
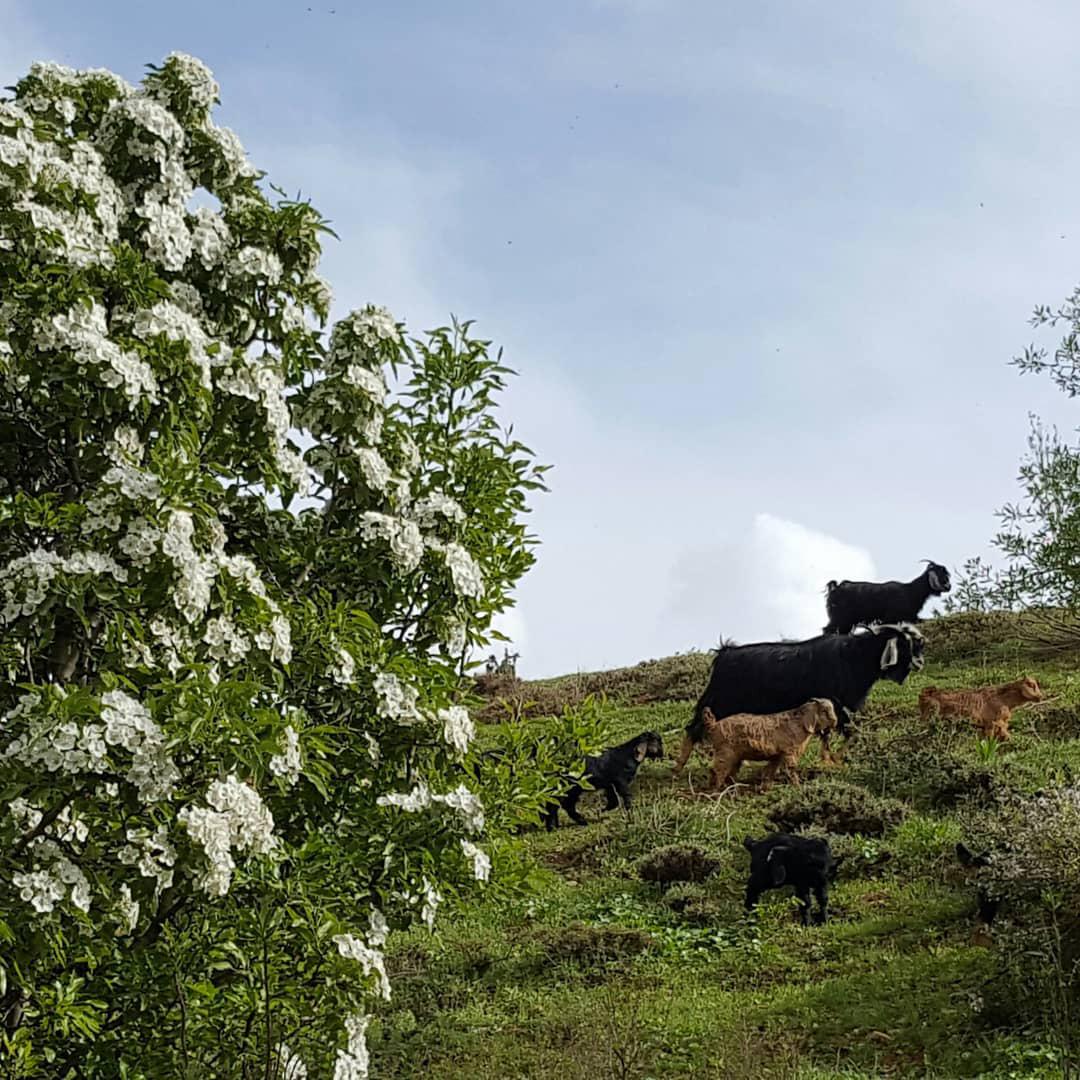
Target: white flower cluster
461	799
288	763
210	237
352	1062
236	819
183	73
256	379
225	640
458	730
343	669
432	898
372	383
80	235
54	878
83	332
290	1066
403	537
25	581
480	860
195	572
128	725
370	326
396	700
256	264
152	854
373	468
370	959
436	504
70	748
466	575
127	911
170	321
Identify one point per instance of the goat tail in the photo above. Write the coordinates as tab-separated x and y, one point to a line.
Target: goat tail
830	586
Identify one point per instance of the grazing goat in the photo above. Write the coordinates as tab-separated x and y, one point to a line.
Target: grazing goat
988	904
802	861
613	771
988	707
770	677
853	603
780	739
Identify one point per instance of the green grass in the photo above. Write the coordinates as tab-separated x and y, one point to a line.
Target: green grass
600	974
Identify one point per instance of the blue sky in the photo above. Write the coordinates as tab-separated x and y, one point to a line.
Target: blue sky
761	267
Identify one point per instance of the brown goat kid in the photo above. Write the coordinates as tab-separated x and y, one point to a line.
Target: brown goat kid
778	738
988	707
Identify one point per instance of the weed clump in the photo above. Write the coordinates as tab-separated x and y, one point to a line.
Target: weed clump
579	941
836	807
676	863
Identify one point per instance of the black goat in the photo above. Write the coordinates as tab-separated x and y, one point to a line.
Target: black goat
613	771
854	603
988	903
770	677
802	861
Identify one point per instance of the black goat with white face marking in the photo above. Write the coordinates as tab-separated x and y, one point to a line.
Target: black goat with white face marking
773	676
804	862
988	902
611	771
854	603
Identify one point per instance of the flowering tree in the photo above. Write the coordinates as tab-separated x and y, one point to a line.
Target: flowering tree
234	748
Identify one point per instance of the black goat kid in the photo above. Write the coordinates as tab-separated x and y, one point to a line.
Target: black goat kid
988	903
854	603
804	862
613	771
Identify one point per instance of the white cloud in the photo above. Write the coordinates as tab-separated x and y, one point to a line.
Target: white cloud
765	582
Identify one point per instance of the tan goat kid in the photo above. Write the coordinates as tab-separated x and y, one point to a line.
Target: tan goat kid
778	738
988	708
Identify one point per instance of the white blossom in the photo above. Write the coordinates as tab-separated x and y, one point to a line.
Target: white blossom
436	504
343	669
396	700
83	332
352	1062
466	575
370	959
480	860
236	818
432	899
287	763
127	911
458	729
152	853
290	1065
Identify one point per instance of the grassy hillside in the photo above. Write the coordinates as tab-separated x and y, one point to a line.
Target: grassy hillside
602	974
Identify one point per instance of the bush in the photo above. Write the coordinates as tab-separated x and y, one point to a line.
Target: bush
235	748
836	807
677	862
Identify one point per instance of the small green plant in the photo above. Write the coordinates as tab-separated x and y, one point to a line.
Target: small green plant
987	750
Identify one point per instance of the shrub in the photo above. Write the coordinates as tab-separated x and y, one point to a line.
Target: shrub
836	807
677	862
233	747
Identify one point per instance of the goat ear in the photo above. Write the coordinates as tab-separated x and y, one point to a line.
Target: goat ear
640	751
776	865
890	655
935	581
748	843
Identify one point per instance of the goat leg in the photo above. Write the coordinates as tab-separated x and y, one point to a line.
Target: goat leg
685	750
